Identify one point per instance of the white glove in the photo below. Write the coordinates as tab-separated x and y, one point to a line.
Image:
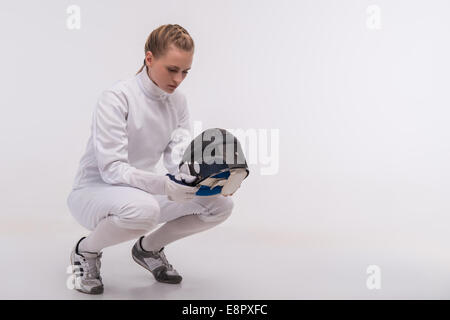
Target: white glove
178	192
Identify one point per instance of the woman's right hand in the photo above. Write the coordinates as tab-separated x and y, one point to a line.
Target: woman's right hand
179	192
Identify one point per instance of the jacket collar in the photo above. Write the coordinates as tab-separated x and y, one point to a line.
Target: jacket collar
149	88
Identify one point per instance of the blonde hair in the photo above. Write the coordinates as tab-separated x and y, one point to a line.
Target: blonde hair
161	38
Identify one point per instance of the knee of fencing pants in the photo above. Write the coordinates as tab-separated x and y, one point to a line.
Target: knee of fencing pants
138	215
220	208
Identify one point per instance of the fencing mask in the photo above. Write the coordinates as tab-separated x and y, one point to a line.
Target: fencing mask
216	160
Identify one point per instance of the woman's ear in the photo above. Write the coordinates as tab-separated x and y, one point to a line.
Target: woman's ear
149	59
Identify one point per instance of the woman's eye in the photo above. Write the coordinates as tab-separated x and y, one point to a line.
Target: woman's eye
185	72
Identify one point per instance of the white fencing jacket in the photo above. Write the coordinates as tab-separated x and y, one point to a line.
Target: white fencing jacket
133	124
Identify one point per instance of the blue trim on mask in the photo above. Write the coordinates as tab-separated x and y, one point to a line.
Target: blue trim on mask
221	175
206	191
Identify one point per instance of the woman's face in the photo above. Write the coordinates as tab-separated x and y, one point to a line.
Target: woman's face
170	69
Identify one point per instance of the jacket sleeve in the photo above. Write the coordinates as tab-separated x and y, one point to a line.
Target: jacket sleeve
180	139
110	140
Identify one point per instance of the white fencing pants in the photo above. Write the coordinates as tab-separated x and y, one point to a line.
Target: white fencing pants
132	209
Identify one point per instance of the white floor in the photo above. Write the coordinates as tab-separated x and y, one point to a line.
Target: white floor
231	262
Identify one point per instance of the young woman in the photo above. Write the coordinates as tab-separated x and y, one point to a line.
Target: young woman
116	193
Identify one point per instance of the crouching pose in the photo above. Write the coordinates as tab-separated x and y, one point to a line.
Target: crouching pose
116	193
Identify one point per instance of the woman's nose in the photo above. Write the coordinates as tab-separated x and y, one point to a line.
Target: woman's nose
178	78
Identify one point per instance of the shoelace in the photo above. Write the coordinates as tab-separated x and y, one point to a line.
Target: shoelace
162	255
92	266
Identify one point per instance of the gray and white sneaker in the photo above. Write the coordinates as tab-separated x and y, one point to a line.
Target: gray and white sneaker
156	262
86	267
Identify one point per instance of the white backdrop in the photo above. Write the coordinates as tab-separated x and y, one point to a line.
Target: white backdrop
354	103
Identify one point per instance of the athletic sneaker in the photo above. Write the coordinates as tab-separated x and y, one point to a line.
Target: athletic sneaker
86	267
156	262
